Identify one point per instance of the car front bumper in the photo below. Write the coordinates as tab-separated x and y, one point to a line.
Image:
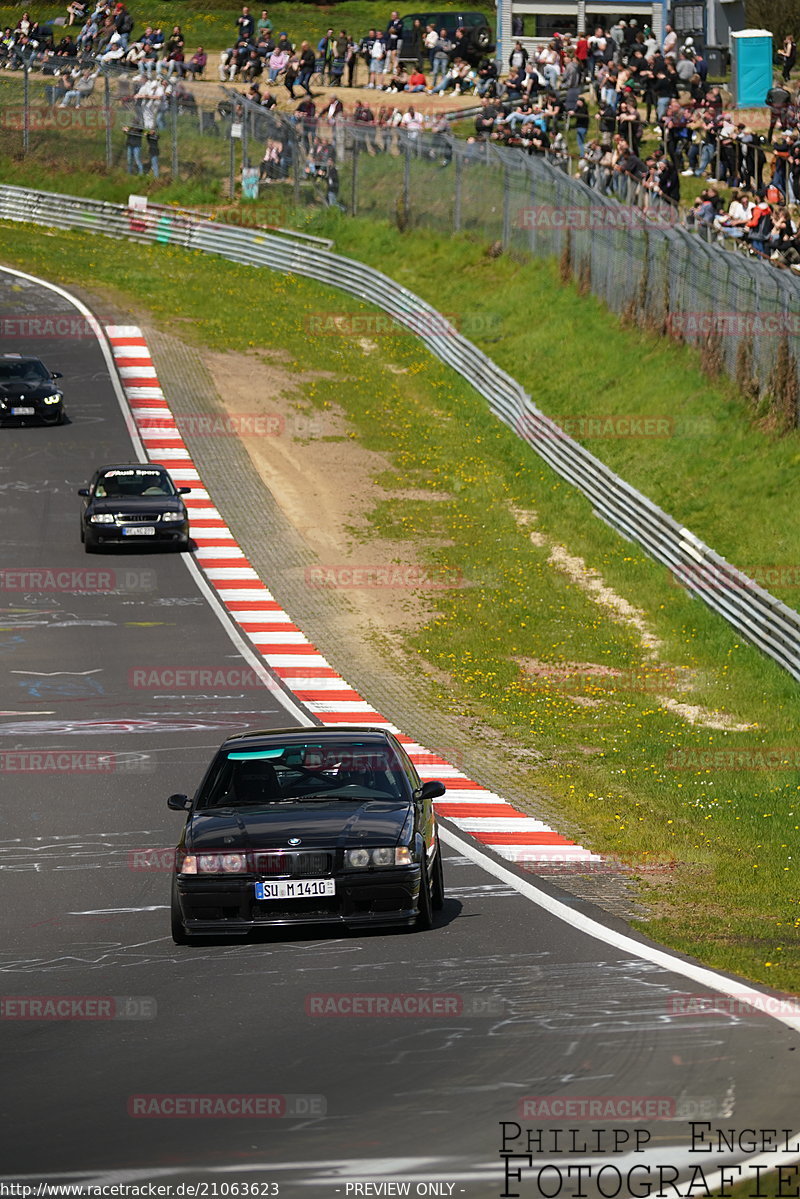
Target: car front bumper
47	414
220	905
167	534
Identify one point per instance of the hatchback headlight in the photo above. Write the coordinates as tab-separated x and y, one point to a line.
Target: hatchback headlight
173	516
383	855
53	399
102	518
214	863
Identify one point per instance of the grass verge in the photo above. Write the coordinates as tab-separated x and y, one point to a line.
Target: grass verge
597	713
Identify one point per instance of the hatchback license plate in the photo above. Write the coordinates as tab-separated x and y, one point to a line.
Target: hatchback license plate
23	411
305	888
139	531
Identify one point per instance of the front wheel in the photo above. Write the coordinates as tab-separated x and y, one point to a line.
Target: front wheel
437	899
424	905
179	933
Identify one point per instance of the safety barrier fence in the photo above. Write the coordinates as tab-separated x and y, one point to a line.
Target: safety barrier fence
758	616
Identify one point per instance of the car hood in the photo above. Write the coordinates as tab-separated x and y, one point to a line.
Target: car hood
18	389
142	503
320	824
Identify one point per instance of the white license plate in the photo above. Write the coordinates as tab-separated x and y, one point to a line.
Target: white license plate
23	411
139	531
302	888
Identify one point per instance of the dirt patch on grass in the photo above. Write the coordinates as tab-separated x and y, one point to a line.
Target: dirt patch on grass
325	483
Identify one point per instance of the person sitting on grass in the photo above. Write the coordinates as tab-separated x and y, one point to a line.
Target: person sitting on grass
197	63
399	80
416	81
514	85
734	221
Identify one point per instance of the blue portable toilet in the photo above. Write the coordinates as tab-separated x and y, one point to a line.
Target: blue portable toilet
751	67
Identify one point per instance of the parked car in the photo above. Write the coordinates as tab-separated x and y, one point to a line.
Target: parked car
307	826
477	42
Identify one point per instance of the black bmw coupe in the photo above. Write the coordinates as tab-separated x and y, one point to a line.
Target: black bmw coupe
29	392
307	826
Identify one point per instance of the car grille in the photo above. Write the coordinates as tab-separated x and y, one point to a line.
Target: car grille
291	909
294	865
133	518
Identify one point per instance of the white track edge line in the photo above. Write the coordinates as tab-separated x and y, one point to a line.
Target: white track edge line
252	659
621	941
555	907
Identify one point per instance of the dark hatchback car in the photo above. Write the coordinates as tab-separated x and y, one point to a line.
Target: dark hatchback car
307	826
132	503
476	42
28	391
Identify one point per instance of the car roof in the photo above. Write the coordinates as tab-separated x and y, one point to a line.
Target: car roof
343	732
23	358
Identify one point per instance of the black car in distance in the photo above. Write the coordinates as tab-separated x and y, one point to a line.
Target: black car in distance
307	826
475	42
28	391
132	503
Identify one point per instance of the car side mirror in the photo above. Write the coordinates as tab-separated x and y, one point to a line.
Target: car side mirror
83	491
56	375
184	490
430	790
179	803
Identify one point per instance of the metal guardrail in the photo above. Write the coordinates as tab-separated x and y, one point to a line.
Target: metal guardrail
752	611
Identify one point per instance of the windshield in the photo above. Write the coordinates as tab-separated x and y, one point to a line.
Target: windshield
306	771
134	481
28	370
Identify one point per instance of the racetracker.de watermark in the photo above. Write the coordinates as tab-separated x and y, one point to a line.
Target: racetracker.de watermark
63	761
53	326
597	1107
38	118
711	577
755	1004
575	217
399	1005
418	324
193	678
616	426
29	580
225	1106
734	324
587	682
241	424
412	577
742	758
78	1007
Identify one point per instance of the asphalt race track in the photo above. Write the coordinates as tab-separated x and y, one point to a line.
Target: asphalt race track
534	1006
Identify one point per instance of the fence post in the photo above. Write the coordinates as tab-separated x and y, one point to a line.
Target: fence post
457	194
354	180
506	206
107	118
232	164
173	100
296	143
407	179
26	112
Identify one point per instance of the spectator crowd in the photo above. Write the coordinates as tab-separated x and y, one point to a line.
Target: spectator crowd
642	111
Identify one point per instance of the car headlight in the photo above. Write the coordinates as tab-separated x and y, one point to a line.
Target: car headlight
102	518
55	398
173	516
383	855
214	863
